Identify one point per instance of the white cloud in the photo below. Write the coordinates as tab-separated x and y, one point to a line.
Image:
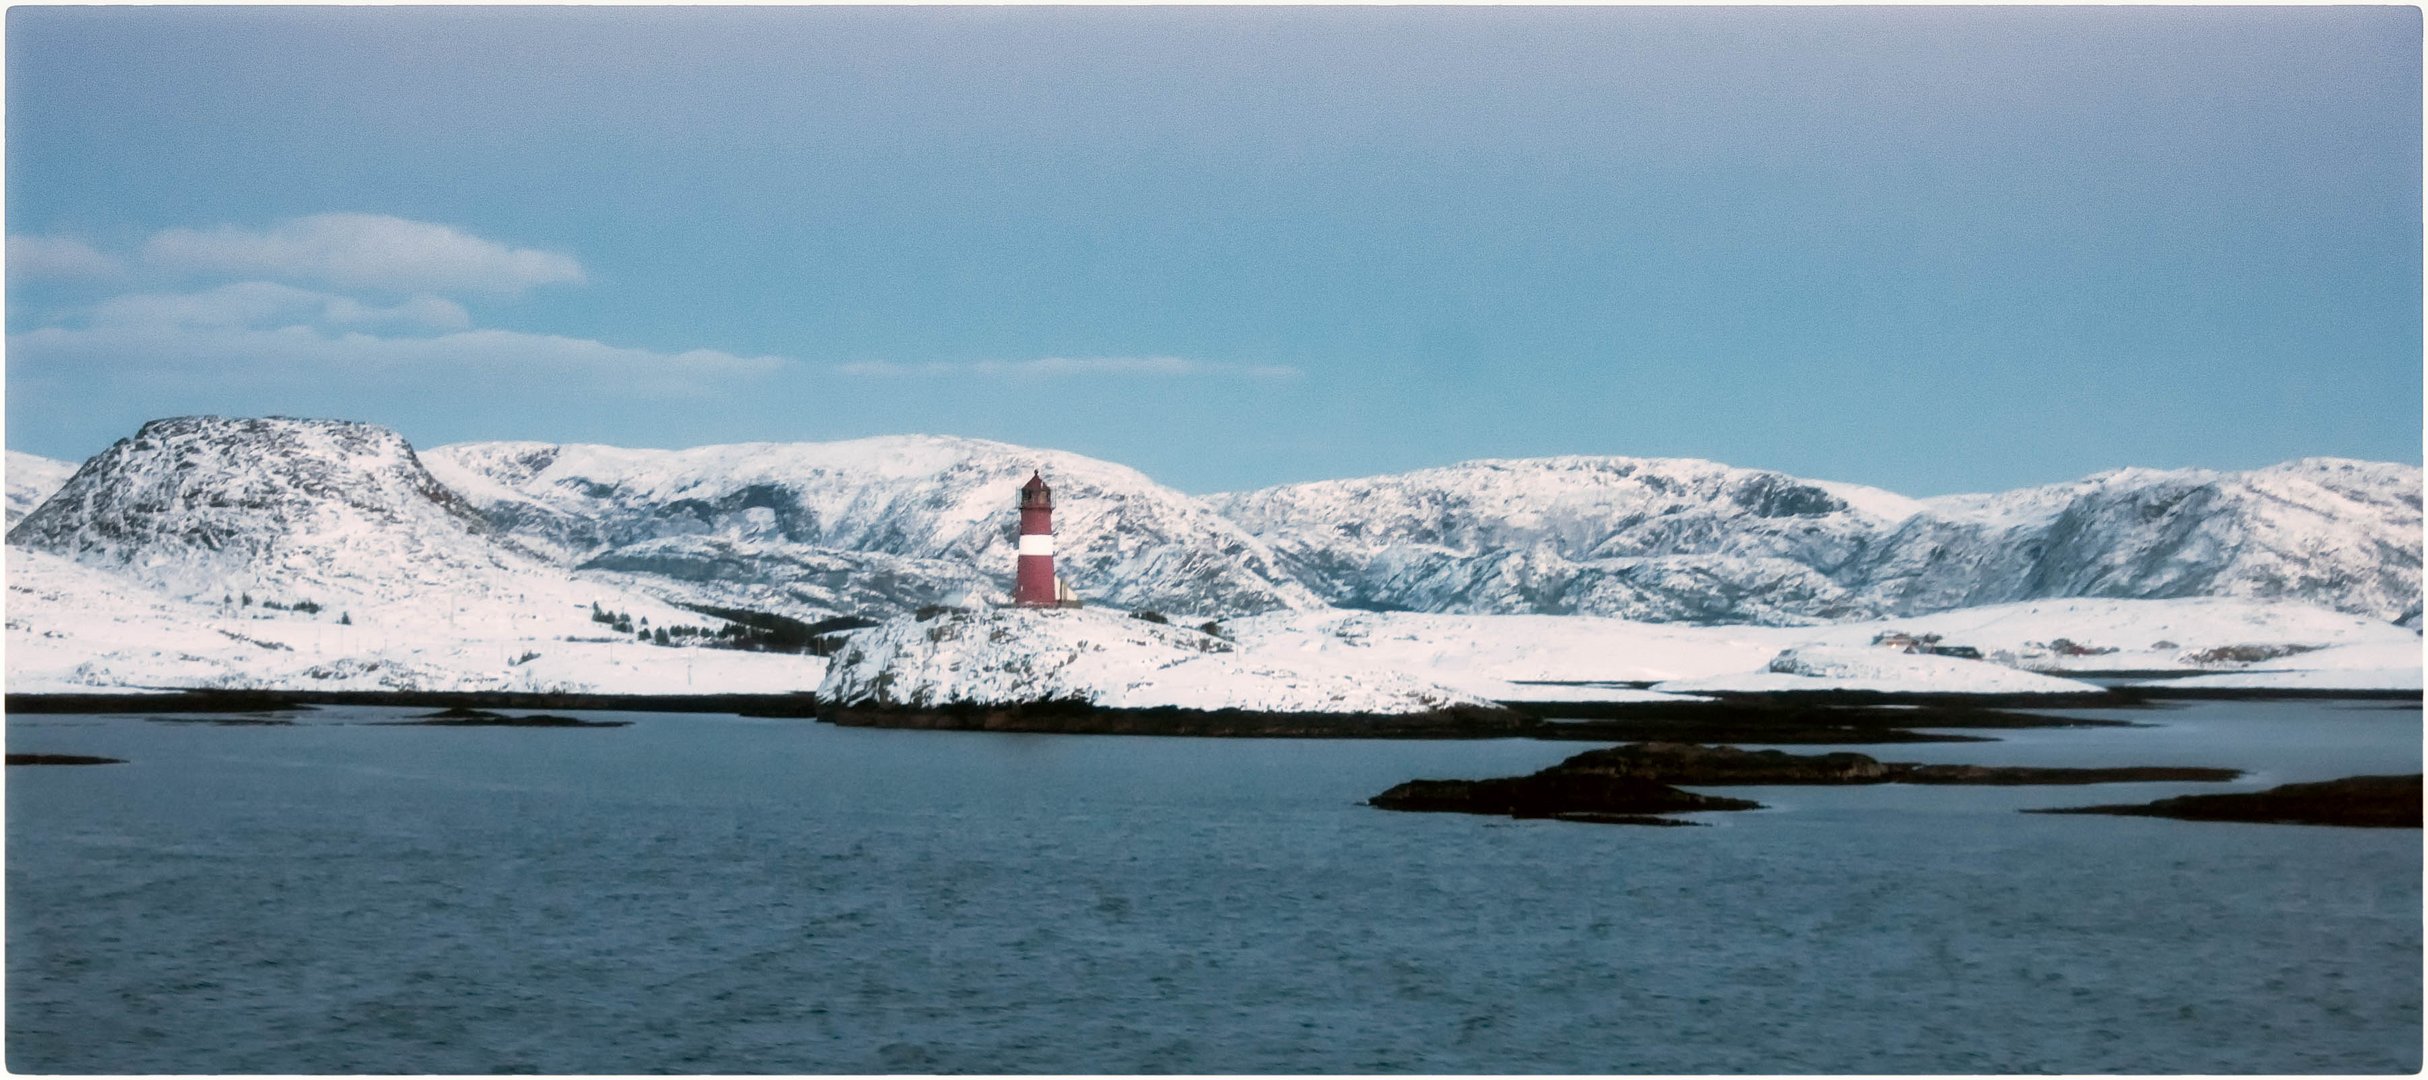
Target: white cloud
363	251
1071	367
57	257
195	352
258	303
372	316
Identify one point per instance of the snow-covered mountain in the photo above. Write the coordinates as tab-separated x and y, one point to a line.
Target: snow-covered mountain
209	551
1638	538
290	510
1691	541
870	525
32	479
2341	534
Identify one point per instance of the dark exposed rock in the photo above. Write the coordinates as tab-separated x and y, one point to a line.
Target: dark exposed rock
462	717
1575	796
2385	802
62	759
1636	779
1681	763
801	705
1076	717
184	701
225	721
2024	775
1685	763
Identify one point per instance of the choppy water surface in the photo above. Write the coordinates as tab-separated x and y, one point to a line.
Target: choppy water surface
701	893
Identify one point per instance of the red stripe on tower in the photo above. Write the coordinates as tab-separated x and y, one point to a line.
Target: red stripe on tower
1035	585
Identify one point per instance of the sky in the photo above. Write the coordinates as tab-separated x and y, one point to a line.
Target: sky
1929	249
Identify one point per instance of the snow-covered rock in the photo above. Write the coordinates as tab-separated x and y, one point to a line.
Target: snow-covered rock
2332	532
209	552
291	510
1003	656
1872	670
1641	538
794	580
1692	541
30	480
944	506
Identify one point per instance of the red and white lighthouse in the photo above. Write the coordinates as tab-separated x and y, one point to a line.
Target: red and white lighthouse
1035	585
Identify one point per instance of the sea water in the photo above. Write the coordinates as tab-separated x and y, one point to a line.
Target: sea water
716	893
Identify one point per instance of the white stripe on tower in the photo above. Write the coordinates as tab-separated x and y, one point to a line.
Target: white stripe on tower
1036	543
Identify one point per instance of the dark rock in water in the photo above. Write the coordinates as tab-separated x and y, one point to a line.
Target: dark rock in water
1574	796
1075	717
1623	819
462	717
2020	775
1685	763
62	759
1631	781
2384	802
225	721
184	701
1780	719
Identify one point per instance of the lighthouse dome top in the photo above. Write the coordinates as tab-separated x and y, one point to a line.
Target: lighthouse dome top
1036	481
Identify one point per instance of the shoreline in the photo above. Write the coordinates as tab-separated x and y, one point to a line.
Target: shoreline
799	705
1818	717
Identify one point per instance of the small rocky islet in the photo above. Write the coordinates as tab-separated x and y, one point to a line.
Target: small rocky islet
1622	783
462	717
2378	802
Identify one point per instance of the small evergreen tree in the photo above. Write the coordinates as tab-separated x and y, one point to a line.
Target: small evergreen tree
345	619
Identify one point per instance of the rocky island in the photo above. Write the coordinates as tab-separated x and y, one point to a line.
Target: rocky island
2384	802
1598	785
1074	669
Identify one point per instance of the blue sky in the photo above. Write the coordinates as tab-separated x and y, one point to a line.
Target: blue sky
1934	250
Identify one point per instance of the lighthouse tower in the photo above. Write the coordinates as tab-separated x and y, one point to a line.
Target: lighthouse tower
1035	585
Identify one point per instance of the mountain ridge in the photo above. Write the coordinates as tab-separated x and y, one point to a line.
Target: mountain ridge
859	526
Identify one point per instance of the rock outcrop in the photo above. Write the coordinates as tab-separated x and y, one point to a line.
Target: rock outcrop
2382	802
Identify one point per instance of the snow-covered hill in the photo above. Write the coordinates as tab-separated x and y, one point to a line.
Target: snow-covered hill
208	551
32	479
1691	541
1640	538
213	552
1013	655
2341	534
938	515
77	629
